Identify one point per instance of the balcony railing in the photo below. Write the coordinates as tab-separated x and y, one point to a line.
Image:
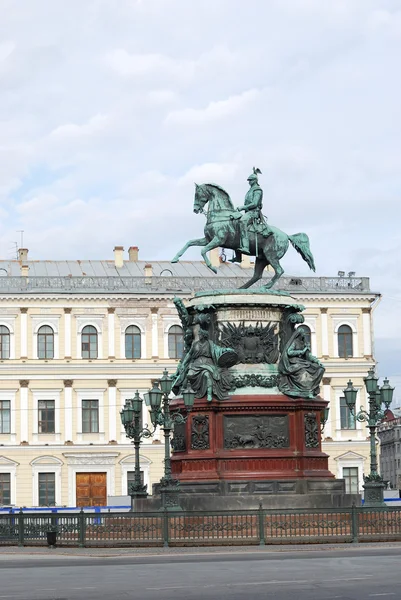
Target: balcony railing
145	285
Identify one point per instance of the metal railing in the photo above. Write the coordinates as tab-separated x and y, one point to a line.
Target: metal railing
164	528
127	284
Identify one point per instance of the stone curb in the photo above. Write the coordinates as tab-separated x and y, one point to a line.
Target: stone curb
32	552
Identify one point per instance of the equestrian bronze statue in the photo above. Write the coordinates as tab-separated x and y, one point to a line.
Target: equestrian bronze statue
244	230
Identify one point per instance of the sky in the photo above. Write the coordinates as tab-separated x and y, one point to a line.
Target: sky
111	110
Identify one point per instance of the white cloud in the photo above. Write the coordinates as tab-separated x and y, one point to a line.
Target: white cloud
209	172
214	111
95	124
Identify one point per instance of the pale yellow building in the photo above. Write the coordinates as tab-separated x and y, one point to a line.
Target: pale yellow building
79	337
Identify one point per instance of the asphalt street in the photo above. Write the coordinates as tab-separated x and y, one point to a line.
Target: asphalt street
352	574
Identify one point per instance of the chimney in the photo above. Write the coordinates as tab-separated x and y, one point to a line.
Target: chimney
214	257
24	270
245	262
23	254
119	256
148	270
133	253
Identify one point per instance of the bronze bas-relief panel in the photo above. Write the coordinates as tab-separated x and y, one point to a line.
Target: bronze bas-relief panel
261	431
253	343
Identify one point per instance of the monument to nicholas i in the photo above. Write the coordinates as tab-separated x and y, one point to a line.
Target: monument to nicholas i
254	434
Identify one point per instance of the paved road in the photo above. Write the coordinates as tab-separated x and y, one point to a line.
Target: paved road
352	574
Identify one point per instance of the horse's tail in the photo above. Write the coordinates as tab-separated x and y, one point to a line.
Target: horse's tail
300	242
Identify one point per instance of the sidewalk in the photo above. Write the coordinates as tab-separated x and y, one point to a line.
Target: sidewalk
10	552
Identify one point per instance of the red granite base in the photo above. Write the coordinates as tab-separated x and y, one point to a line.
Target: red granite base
212	453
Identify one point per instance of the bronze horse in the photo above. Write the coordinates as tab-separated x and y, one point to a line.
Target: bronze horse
222	231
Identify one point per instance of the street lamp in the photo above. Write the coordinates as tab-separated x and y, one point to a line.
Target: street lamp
131	420
324	417
373	483
160	415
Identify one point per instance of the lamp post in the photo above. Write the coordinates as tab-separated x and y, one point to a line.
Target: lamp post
131	420
158	400
373	483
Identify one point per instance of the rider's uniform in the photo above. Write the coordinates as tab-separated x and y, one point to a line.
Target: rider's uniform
253	206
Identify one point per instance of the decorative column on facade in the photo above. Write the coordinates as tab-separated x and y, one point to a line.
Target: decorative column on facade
24	332
67	333
325	333
155	332
326	383
367	330
112	401
68	435
111	332
24	431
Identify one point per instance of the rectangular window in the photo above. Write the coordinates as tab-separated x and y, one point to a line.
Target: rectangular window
47	489
131	479
5	487
46	413
5	416
350	474
90	416
347	419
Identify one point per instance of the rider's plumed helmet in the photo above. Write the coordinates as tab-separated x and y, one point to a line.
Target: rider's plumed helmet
254	175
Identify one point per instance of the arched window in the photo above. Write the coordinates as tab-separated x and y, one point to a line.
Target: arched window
307	333
132	342
45	342
175	342
4	342
89	342
345	349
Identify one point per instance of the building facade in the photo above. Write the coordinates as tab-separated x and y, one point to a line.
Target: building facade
389	434
77	338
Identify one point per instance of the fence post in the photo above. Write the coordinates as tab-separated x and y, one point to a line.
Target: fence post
261	526
81	528
165	528
354	524
20	528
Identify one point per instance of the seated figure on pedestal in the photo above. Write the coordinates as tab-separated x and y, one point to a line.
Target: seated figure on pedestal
205	369
300	373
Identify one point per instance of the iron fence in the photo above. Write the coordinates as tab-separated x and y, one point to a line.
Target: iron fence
179	528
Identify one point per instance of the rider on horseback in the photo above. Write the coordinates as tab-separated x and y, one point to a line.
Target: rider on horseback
253	211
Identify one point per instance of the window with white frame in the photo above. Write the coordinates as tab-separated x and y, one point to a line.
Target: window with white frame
90	416
347	418
89	342
5	416
128	473
132	342
47	489
175	342
345	342
4	342
45	340
5	488
351	476
131	479
46	416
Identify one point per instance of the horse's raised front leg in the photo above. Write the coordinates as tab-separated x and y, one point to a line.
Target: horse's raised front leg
214	243
197	242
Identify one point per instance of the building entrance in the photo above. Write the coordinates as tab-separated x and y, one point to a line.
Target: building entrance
91	489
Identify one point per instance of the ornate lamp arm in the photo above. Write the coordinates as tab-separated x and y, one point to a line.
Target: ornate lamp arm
362	415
